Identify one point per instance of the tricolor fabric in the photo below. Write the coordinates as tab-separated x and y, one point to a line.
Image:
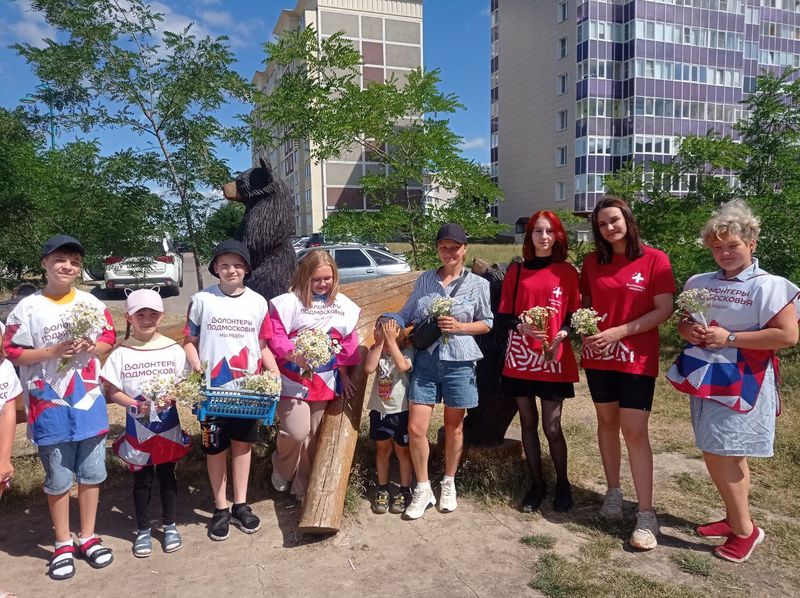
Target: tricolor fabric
127	368
229	329
730	376
63	406
339	320
556	286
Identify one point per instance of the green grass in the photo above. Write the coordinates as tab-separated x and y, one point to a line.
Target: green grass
542	541
693	563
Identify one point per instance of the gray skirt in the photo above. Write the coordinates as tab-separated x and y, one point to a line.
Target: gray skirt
720	430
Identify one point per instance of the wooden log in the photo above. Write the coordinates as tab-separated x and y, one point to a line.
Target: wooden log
324	501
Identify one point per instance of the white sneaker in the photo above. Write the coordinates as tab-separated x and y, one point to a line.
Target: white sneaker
278	482
447	497
612	504
421	499
644	535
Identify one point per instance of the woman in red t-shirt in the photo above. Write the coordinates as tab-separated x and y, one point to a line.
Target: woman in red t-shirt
533	368
631	287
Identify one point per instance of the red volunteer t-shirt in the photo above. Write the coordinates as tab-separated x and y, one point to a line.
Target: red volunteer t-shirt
622	291
554	286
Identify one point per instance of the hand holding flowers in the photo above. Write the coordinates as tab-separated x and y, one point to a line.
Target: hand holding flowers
441	308
536	322
313	349
83	323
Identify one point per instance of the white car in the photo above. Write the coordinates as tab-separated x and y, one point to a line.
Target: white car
161	266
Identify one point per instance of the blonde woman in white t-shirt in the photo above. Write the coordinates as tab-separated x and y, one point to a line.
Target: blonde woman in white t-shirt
390	358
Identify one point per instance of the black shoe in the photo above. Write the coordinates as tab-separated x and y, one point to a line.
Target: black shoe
400	501
563	499
243	518
219	528
533	499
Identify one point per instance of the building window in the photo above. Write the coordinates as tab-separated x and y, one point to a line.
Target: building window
561	155
307	169
561	191
561	120
561	87
562	47
562	12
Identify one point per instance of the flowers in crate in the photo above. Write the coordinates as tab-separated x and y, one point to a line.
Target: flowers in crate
694	304
82	321
265	383
584	321
441	306
317	348
189	391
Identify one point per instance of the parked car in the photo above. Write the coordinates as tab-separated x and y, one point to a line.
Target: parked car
361	262
161	265
315	240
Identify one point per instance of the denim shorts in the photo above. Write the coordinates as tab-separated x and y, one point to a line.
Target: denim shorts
81	460
435	381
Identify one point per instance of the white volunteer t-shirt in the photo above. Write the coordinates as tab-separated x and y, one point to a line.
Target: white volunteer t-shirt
10	388
128	367
229	330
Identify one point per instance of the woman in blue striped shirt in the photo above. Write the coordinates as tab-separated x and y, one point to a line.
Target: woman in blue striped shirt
445	371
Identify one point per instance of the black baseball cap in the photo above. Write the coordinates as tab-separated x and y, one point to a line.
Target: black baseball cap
452	232
231	246
62	242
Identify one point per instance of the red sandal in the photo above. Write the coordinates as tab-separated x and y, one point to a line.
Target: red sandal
96	554
59	561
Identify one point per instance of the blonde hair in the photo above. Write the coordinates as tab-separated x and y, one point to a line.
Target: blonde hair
732	218
301	282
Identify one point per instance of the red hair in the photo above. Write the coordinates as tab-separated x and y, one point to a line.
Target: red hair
560	246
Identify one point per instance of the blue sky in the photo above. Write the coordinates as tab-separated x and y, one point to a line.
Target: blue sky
457	42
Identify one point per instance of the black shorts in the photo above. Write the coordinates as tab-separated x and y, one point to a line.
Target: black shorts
632	391
217	433
392	426
547	391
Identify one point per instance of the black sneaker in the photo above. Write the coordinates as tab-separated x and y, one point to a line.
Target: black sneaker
400	501
380	502
243	518
218	529
533	499
563	499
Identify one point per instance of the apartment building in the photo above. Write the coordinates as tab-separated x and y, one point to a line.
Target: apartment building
581	86
389	36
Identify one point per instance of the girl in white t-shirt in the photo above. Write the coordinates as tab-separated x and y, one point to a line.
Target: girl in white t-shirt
314	302
390	357
10	393
153	442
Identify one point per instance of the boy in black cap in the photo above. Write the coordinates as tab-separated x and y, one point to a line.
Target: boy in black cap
67	417
227	329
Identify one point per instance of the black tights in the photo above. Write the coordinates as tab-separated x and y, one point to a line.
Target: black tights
551	424
143	490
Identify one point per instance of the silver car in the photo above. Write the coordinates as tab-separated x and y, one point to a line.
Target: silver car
361	262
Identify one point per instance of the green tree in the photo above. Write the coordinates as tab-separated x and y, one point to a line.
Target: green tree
223	223
402	126
114	69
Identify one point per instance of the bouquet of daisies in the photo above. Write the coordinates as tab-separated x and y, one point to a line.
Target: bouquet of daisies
158	391
539	318
441	306
317	348
188	391
584	321
82	321
694	304
265	383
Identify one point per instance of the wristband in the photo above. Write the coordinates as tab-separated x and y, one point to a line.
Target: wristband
133	410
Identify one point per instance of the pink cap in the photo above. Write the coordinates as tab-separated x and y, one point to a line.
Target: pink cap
143	298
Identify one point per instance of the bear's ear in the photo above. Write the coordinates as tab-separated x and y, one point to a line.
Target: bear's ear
263	163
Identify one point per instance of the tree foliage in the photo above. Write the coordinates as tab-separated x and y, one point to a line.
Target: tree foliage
402	127
70	190
118	69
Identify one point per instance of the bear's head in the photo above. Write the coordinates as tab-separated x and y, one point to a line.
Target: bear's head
253	185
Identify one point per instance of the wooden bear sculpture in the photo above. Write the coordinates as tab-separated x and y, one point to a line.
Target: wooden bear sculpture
266	228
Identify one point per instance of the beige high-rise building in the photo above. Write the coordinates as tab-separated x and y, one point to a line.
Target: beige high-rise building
389	36
532	105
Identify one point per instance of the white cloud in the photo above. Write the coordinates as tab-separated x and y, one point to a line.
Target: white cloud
31	28
217	18
472	143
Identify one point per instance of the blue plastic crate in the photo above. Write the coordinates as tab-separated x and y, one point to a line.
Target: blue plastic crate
225	402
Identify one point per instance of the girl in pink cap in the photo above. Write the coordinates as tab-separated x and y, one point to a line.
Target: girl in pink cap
153	439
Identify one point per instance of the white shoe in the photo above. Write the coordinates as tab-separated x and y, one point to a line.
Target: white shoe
278	482
421	499
447	497
644	535
612	504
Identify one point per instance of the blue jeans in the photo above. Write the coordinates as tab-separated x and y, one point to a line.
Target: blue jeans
435	381
84	460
